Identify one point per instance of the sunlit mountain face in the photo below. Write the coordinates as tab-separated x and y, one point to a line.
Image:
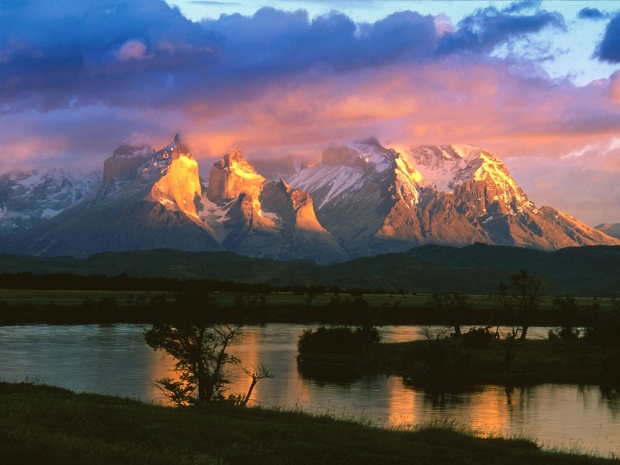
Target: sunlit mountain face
361	199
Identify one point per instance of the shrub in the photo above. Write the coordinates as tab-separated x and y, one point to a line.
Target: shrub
341	339
444	362
478	337
604	328
610	372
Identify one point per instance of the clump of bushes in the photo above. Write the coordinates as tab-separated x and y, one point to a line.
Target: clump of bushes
604	328
443	362
477	337
610	372
341	339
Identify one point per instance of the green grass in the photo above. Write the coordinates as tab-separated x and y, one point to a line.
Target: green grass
42	424
38	297
274	299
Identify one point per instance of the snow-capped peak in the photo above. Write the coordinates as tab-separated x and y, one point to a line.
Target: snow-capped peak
445	167
27	198
375	155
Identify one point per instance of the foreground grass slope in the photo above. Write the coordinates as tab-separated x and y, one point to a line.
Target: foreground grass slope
49	425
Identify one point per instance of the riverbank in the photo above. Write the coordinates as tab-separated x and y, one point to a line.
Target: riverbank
42	424
305	306
534	362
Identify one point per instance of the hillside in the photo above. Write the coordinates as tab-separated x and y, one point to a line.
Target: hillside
476	269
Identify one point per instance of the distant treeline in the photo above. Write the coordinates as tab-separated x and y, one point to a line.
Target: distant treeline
124	282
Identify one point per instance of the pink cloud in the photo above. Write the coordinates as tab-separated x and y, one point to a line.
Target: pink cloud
131	50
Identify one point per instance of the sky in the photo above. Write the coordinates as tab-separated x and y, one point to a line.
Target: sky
535	83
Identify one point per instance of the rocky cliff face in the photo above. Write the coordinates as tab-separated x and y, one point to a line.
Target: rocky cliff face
482	191
139	206
179	186
371	199
267	218
231	176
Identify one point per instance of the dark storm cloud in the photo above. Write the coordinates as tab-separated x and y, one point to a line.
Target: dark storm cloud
609	48
488	27
592	13
280	42
146	53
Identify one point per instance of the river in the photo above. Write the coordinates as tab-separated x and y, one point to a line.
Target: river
114	359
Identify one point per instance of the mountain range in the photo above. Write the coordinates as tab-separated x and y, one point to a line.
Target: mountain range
362	199
612	230
28	198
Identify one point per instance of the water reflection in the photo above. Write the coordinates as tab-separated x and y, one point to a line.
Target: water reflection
115	360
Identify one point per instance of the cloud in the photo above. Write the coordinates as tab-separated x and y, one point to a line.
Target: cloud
592	13
131	50
145	53
609	48
488	27
76	79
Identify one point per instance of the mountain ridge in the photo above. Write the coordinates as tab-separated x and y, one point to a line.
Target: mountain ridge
362	199
477	269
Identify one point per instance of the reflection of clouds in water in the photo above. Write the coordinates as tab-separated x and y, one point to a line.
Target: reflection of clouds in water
116	360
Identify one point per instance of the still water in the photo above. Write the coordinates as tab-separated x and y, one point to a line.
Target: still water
115	360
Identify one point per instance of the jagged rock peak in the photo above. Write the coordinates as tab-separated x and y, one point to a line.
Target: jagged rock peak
231	176
131	161
282	184
176	181
235	160
297	197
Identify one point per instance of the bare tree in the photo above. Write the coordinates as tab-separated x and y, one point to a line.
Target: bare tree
454	306
522	299
201	358
260	372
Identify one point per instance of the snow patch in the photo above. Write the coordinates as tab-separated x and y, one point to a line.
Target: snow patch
337	179
49	213
270	215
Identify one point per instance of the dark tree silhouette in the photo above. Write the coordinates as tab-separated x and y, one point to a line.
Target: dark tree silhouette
522	299
453	307
201	354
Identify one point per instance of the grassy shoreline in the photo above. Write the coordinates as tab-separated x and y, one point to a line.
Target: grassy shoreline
43	424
